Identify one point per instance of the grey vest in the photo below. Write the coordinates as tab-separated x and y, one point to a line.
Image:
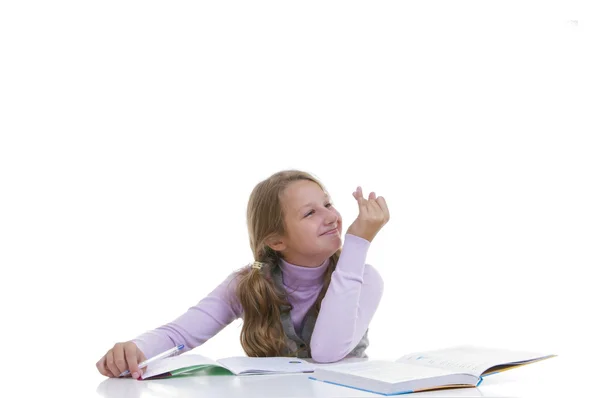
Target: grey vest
301	343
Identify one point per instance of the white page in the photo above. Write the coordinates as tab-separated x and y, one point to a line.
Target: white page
389	372
266	365
468	359
177	362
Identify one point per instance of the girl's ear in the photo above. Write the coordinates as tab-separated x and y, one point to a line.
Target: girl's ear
276	243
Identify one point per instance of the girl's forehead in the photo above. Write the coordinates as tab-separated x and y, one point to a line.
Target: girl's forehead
301	194
301	190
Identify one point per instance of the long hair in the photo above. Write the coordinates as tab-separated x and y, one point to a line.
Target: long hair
262	302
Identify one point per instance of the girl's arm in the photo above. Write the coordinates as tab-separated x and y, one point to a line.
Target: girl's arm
201	322
349	304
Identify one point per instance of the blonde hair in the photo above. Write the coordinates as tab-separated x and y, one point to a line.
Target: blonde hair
262	302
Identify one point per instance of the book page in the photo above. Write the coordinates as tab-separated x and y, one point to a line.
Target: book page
254	365
388	372
468	359
170	364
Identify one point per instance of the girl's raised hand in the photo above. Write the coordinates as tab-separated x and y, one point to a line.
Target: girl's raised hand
373	214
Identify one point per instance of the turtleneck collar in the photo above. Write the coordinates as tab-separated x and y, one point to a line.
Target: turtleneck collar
295	276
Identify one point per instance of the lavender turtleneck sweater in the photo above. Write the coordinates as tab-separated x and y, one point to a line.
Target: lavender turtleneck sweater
346	310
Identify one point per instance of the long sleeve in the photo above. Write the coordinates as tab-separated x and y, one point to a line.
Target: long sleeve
198	324
348	306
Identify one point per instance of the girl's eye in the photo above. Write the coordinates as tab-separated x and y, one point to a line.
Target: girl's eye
312	211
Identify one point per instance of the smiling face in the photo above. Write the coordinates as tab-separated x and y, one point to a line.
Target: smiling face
308	218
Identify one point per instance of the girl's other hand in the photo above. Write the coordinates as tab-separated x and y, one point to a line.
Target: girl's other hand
122	357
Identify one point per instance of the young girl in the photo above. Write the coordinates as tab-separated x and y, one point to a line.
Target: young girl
304	296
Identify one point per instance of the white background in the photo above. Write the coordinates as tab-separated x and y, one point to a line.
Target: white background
131	135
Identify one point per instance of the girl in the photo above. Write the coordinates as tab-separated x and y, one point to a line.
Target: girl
304	296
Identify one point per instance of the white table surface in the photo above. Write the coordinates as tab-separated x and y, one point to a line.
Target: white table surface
549	378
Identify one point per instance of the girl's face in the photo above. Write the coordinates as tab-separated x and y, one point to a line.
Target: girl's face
309	216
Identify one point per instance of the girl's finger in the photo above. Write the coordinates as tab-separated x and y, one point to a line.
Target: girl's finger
110	364
119	358
383	205
132	361
362	202
102	368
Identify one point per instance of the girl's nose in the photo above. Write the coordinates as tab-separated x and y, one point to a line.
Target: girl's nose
333	220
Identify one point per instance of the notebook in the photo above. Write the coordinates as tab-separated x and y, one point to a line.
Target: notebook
456	367
187	364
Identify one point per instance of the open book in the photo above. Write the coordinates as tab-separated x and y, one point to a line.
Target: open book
186	364
456	367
